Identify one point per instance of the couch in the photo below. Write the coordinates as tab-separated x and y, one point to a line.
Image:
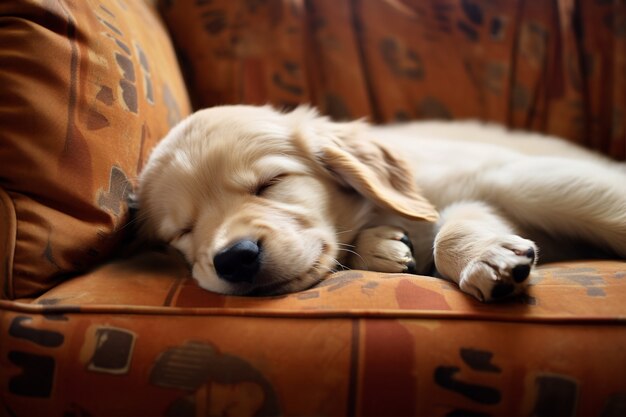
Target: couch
88	327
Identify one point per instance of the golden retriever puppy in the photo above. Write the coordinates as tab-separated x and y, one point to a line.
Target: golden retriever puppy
262	202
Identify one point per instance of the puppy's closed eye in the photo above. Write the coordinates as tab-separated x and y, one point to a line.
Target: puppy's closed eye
261	189
181	233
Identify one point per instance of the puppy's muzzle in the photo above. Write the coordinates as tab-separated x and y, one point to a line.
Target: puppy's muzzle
239	262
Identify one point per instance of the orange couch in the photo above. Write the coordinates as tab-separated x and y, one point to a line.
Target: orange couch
87	88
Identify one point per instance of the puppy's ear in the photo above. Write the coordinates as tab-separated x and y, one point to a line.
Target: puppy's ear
358	161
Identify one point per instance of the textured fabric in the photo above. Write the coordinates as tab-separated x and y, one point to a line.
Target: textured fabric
360	343
86	89
552	66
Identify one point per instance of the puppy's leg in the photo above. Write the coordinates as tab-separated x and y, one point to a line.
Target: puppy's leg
383	249
578	200
480	251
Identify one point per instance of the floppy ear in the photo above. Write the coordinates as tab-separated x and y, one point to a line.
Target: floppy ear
357	160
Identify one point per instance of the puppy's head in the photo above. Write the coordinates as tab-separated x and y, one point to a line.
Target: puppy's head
259	201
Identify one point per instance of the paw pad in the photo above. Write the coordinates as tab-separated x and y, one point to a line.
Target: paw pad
502	290
501	270
405	239
520	273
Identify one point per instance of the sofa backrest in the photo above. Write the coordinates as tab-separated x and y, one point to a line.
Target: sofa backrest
86	90
552	66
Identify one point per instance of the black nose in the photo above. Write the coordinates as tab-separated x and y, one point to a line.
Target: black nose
239	262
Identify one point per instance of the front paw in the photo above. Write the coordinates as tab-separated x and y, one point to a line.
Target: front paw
383	249
501	270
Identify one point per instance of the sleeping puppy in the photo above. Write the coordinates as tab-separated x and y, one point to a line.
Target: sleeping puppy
263	203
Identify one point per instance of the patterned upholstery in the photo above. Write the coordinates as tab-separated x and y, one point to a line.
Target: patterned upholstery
88	87
552	66
359	343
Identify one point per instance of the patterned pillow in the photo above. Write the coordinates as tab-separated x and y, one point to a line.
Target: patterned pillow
86	90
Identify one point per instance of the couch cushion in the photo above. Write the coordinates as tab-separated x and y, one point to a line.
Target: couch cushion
160	282
521	63
360	343
86	89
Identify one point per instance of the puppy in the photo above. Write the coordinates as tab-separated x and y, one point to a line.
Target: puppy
262	202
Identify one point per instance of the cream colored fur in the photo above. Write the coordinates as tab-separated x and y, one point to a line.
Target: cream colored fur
319	196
